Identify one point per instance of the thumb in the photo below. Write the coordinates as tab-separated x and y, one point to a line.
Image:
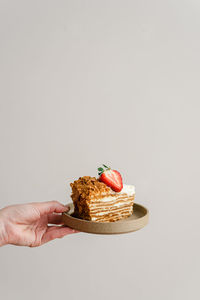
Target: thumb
49	207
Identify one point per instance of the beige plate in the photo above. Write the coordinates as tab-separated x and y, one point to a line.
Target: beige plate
136	221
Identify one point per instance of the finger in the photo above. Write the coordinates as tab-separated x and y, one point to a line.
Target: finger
51	228
55	232
55	219
50	207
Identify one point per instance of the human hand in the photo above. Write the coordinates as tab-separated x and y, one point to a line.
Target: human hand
27	224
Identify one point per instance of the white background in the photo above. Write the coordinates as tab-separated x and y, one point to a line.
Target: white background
114	82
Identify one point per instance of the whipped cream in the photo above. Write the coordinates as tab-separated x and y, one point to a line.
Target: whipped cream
129	190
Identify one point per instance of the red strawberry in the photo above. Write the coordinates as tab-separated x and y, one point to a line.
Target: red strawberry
111	178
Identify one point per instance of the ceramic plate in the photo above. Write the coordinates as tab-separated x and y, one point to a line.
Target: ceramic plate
136	221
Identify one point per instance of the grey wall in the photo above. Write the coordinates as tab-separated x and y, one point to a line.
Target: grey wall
91	82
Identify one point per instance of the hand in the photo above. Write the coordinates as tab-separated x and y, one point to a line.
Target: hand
27	224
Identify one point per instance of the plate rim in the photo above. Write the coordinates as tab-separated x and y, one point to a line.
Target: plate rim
91	222
137	224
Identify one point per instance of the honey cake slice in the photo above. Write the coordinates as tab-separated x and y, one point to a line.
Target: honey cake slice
95	201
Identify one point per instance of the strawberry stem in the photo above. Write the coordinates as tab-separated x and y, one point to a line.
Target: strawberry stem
101	170
106	167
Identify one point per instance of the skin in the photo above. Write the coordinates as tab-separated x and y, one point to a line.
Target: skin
28	224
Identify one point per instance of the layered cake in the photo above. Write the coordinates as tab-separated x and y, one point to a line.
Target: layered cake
103	199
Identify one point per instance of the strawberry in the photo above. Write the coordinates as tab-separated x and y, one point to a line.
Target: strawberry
111	178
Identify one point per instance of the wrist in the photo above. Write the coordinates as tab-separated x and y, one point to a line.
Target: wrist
3	235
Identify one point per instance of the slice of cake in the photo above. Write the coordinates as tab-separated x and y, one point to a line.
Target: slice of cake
98	201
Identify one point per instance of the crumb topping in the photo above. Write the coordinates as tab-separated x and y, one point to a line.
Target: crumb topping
87	187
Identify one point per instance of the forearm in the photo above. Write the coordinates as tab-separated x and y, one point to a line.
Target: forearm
2	230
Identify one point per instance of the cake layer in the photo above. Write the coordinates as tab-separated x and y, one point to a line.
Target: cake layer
116	201
106	210
117	208
112	217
